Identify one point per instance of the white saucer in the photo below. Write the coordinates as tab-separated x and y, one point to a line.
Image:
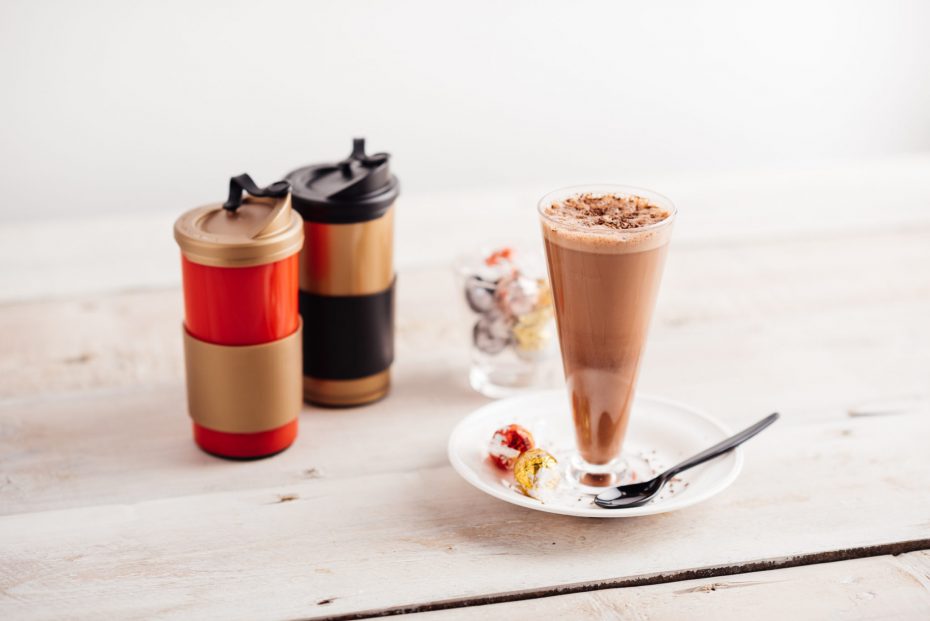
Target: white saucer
661	434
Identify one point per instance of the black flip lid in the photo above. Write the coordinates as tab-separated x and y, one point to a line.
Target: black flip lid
359	188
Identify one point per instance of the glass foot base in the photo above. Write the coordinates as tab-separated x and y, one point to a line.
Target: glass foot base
593	478
500	386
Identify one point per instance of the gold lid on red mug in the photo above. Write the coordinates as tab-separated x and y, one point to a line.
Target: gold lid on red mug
253	230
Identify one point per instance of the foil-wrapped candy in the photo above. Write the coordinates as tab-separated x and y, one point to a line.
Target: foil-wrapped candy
514	310
507	444
537	473
479	293
532	334
516	294
532	331
492	333
544	293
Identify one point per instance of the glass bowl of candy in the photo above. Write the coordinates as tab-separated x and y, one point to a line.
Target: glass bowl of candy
511	328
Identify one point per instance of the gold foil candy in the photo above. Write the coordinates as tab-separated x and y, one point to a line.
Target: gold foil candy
532	333
544	295
537	473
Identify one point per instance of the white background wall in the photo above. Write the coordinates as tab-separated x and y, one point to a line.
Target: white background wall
111	106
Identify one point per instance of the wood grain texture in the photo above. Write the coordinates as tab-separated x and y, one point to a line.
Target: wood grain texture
813	302
68	257
807	324
817	339
830	329
367	537
883	587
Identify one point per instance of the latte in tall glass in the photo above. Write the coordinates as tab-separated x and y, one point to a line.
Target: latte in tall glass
606	248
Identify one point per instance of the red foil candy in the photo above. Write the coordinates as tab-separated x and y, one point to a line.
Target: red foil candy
507	444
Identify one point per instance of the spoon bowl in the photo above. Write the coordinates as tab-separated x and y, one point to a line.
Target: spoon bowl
631	495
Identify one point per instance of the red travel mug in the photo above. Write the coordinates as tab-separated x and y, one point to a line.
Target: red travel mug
242	328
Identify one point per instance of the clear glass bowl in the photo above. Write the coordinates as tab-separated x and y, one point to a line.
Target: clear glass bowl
509	318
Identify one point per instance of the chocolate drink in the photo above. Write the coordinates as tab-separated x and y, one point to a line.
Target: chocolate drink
605	251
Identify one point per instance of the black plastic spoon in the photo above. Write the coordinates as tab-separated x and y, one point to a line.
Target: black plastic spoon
636	494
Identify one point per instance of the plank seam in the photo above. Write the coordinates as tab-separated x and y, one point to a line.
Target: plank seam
831	556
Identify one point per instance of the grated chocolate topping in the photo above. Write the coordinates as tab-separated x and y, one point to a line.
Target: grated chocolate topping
612	211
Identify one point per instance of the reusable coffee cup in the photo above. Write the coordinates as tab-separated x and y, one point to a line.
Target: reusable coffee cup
242	329
347	277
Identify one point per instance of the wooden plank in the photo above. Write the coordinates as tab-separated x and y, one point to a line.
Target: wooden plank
90	343
72	450
760	310
813	354
366	538
134	339
66	257
106	499
130	446
883	587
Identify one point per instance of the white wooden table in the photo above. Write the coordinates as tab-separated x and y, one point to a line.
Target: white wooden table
804	291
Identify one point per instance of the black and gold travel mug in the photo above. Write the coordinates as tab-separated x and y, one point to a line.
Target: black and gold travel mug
347	277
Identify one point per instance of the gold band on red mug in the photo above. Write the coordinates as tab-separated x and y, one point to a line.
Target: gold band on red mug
244	389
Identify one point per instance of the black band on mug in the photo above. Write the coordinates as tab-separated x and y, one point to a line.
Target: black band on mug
348	337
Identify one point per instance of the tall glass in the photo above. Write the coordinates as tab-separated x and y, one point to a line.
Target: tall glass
604	282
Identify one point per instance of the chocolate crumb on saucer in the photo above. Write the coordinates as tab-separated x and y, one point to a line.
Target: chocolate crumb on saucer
610	211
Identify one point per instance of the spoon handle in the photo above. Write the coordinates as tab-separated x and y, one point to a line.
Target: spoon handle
721	447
